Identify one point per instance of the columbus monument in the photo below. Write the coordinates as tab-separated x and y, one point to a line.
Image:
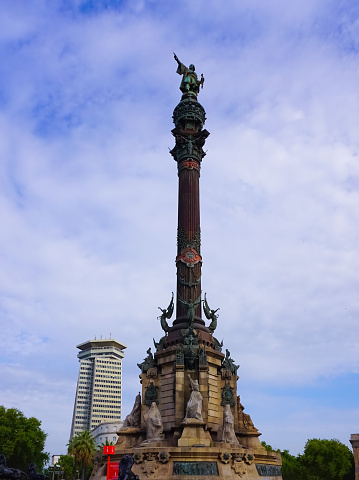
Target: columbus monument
188	420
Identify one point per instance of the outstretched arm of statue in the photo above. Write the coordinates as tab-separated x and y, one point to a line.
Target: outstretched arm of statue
181	69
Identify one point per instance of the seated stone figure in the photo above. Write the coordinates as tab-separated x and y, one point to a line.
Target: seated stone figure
194	404
133	419
228	434
154	425
244	420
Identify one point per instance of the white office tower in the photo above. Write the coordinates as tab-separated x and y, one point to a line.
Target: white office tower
99	386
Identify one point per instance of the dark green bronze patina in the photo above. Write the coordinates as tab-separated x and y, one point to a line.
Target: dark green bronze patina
147	363
269	470
202	357
217	344
179	356
227	396
166	313
195	468
210	314
191	307
228	363
159	346
190	83
151	394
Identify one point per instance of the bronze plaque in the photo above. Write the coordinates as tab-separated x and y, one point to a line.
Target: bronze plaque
269	470
195	468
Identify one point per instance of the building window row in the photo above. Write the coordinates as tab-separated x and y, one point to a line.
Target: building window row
108	362
107	367
107	381
105	416
112	388
105	401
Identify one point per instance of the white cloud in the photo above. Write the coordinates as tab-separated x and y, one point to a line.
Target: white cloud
88	192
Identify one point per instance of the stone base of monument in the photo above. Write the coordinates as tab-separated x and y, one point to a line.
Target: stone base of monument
130	437
187	462
193	448
157	442
194	434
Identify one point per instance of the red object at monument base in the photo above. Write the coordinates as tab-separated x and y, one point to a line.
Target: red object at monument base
112	473
108	449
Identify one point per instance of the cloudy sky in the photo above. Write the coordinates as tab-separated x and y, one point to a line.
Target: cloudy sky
88	198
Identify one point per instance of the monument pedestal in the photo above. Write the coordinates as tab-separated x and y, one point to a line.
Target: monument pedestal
192	447
215	463
194	434
129	437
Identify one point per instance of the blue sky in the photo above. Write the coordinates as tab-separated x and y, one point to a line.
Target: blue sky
88	198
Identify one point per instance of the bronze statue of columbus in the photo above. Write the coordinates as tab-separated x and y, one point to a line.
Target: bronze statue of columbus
190	82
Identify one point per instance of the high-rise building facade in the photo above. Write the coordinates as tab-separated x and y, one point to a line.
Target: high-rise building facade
99	386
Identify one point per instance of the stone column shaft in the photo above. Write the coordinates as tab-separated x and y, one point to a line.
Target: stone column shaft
189	118
188	274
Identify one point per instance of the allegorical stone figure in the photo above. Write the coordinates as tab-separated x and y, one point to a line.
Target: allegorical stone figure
228	434
244	419
154	425
190	82
133	419
194	404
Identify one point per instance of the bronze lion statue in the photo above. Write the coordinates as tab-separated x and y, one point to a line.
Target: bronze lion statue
7	473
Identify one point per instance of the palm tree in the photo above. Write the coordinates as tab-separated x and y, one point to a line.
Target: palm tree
82	447
107	443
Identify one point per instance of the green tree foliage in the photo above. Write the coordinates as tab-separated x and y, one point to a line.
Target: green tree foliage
66	462
83	448
292	468
267	447
21	439
321	460
327	459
